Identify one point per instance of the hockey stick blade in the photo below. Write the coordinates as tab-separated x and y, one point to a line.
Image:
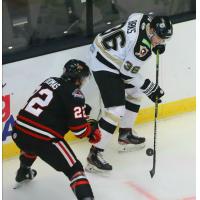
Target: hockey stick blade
152	172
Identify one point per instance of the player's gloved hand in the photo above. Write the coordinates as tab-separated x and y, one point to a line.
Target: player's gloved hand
95	134
152	90
160	48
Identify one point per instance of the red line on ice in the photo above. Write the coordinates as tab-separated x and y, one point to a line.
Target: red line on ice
190	198
141	190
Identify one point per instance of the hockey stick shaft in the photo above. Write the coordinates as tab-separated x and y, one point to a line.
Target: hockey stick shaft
152	171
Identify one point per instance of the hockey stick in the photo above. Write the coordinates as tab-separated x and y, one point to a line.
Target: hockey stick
152	171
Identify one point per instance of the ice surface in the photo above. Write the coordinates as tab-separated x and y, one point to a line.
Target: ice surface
130	178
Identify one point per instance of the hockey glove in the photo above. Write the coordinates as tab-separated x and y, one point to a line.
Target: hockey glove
95	134
160	48
152	90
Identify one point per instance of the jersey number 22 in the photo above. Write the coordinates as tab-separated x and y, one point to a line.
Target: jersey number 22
35	105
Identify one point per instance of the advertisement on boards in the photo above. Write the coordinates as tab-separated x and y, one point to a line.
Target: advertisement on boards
7	117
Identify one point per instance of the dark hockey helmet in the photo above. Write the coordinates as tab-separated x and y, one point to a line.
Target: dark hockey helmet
75	69
162	26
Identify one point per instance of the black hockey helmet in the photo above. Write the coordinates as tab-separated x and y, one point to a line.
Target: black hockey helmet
75	69
162	26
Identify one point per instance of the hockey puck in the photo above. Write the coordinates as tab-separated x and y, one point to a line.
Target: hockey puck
149	152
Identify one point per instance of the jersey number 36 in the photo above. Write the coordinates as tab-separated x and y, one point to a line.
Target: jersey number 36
113	38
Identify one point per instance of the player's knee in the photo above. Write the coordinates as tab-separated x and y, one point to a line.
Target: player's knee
133	106
81	186
69	172
134	99
115	113
109	121
134	94
133	103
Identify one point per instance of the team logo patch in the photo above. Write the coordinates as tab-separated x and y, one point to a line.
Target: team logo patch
142	52
78	93
14	135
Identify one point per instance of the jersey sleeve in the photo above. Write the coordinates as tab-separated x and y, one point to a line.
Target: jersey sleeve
77	118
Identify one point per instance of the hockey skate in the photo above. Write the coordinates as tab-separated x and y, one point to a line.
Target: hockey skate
96	163
129	141
24	175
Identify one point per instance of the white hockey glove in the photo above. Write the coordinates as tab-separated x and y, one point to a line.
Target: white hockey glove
152	90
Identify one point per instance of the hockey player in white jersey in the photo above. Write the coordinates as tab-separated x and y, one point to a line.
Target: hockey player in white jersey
117	55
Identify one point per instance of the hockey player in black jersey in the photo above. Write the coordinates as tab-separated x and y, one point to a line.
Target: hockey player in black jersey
117	55
57	106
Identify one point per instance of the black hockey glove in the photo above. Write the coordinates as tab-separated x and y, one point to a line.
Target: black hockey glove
95	134
152	90
160	48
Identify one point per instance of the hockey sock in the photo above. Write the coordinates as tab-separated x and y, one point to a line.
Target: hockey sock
81	186
107	129
128	120
26	159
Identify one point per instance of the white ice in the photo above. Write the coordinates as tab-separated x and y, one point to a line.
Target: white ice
130	179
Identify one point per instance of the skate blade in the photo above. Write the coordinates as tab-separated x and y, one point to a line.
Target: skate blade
94	170
130	147
20	184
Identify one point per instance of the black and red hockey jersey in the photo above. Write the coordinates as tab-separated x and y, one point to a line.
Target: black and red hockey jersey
56	107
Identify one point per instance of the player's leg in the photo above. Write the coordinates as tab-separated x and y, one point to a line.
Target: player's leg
112	91
107	126
60	156
25	172
128	138
26	158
